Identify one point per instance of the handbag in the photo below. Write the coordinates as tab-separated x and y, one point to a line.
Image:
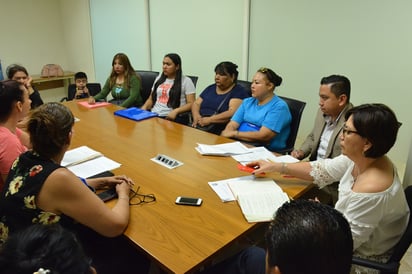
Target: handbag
52	70
215	128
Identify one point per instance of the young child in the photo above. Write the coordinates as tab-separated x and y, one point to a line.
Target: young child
82	91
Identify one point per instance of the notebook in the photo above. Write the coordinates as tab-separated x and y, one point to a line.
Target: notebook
135	113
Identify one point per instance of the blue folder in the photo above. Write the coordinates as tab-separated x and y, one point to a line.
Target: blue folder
135	113
245	126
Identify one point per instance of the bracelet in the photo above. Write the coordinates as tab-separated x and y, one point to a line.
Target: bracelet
283	168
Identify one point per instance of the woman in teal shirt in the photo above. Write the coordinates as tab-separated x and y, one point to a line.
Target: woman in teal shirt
123	83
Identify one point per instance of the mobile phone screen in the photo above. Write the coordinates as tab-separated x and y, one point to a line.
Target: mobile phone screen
188	200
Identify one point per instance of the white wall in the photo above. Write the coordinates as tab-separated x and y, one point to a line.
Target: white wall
46	32
31	34
77	36
368	41
118	26
203	33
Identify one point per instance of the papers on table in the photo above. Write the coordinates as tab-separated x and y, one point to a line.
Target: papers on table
258	198
79	155
261	153
226	149
85	162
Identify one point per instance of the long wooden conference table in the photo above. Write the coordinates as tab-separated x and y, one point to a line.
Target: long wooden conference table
180	239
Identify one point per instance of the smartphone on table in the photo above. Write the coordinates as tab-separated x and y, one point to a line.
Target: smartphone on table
181	200
108	194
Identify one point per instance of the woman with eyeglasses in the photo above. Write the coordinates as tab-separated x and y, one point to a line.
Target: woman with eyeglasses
14	106
371	195
20	74
263	119
39	190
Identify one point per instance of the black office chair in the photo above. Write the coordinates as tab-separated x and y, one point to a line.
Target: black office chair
186	118
193	78
246	85
296	108
147	77
93	88
393	264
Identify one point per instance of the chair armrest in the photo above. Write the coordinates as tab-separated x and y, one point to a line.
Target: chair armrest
386	267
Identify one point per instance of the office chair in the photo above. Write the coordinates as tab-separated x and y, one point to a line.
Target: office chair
186	118
147	77
246	85
393	264
193	78
296	108
93	88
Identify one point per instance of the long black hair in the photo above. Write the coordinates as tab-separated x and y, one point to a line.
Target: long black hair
176	90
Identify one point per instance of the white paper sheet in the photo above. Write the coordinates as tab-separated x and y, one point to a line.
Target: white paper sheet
93	167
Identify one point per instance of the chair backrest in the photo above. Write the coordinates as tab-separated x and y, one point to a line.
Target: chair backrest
148	78
246	85
193	78
296	108
93	88
405	241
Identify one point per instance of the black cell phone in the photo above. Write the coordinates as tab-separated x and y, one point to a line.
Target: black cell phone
108	195
102	174
188	201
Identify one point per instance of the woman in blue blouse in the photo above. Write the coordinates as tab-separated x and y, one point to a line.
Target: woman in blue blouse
264	118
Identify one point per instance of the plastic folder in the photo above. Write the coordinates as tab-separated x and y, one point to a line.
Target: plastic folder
135	113
245	126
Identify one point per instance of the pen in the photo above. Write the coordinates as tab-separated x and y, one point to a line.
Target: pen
288	176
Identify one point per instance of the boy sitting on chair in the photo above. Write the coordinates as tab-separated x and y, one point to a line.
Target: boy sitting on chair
80	78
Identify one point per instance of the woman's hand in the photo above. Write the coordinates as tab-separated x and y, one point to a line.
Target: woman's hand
298	154
172	115
204	121
263	166
92	100
229	133
28	84
123	190
104	182
196	119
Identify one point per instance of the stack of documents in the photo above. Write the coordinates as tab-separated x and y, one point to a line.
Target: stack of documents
258	198
262	153
227	149
85	162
